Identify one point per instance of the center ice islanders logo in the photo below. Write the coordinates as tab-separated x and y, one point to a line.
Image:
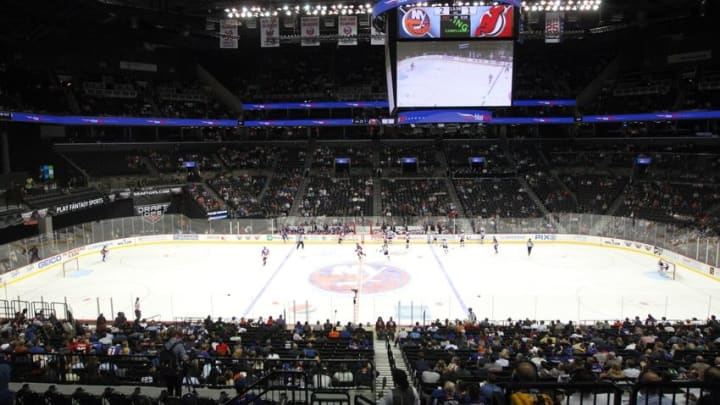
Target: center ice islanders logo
496	22
373	278
416	22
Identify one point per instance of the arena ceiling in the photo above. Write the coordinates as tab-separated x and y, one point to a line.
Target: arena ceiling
182	23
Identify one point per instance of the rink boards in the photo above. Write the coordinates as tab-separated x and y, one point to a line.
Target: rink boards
56	261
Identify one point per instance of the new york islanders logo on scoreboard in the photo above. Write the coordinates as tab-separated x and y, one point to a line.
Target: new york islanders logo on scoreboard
416	22
496	22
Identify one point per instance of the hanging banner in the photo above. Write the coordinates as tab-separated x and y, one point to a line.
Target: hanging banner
347	30
310	31
554	26
376	37
269	32
289	23
228	34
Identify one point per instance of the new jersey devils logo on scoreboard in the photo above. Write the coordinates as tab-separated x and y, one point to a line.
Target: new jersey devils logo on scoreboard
310	31
416	22
497	21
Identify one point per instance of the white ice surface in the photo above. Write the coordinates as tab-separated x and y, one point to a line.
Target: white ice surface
556	282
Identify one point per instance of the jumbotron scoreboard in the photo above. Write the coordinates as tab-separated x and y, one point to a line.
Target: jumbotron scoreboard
451	56
456	22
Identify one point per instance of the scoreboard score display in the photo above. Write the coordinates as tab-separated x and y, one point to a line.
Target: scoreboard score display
456	22
455	26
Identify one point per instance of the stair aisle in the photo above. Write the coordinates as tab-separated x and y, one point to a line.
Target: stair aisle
384	367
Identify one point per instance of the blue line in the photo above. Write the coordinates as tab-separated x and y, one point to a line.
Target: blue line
267	283
447	277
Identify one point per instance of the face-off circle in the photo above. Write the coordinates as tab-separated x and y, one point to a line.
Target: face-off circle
372	278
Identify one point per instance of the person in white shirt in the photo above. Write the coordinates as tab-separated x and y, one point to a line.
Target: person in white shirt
631	370
504	360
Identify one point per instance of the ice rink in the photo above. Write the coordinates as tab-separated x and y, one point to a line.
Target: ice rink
193	279
447	82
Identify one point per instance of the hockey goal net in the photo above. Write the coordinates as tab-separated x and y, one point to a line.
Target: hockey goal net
70	266
669	270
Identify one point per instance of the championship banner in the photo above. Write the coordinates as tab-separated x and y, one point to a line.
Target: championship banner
347	30
310	31
269	32
554	26
376	37
228	34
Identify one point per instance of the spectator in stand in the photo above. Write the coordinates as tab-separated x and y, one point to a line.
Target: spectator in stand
174	372
526	372
651	394
434	375
391	326
403	393
7	397
711	383
380	328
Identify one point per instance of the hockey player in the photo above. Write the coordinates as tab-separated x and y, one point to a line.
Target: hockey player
284	234
300	241
138	313
663	266
407	240
265	253
496	244
386	250
445	245
389	235
104	252
359	251
482	235
471	316
462	240
340	237
429	238
530	245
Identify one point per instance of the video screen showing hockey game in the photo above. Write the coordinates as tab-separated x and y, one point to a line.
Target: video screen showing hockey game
454	74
